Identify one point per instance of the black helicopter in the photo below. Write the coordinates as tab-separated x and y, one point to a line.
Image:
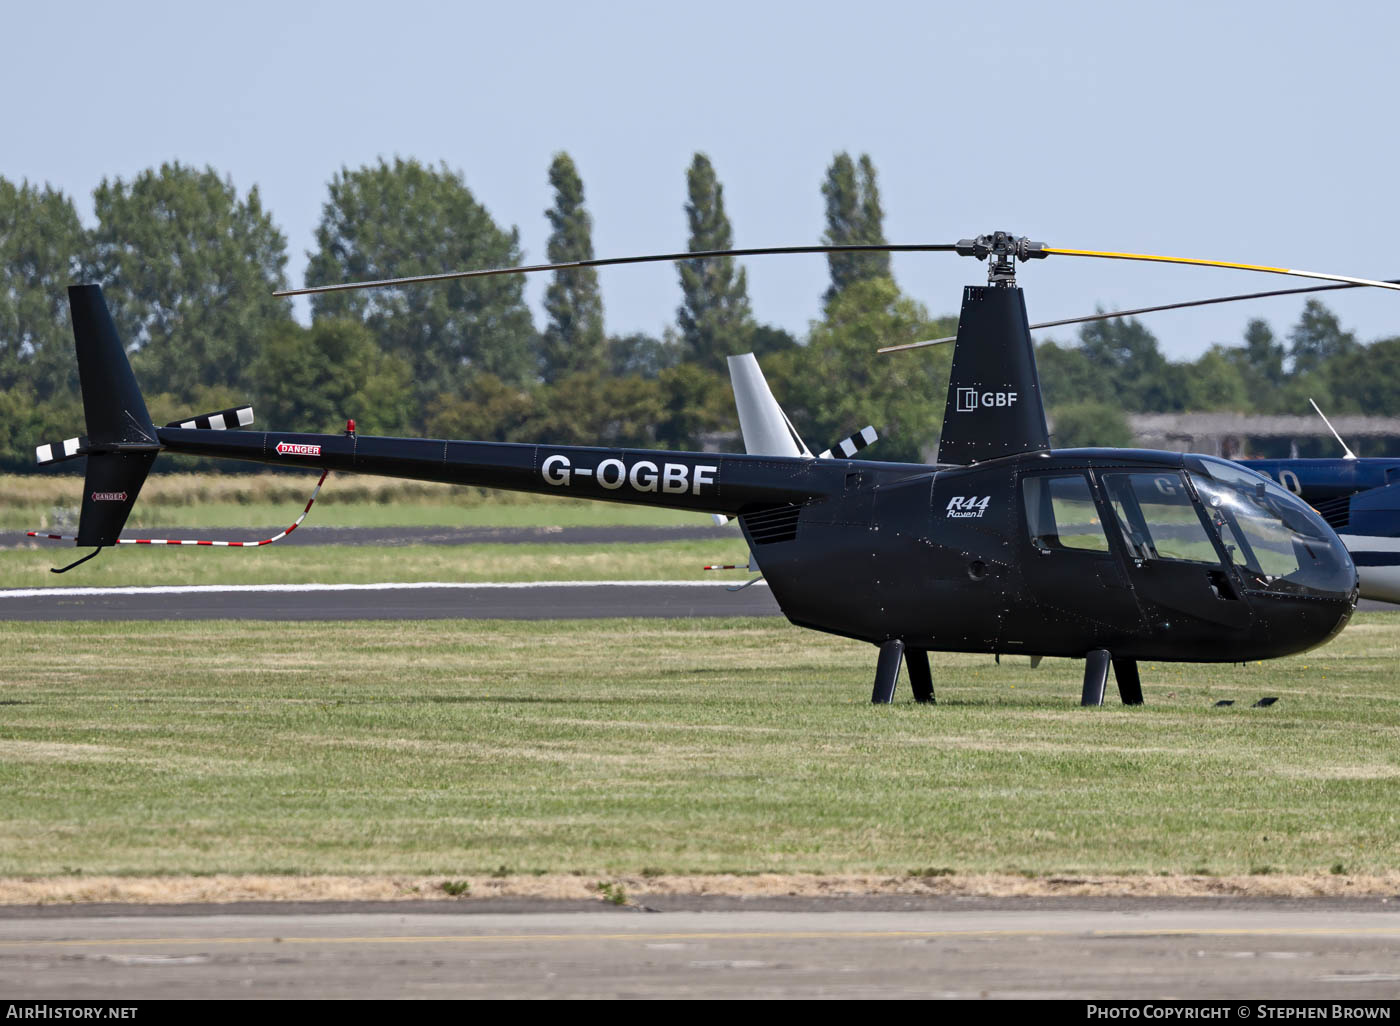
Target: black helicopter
1002	546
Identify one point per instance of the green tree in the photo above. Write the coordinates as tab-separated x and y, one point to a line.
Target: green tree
488	410
1317	338
1366	380
641	355
837	383
590	408
695	401
1067	375
715	318
42	251
853	217
1136	374
1261	359
404	219
314	379
1079	425
768	339
573	339
189	269
1215	382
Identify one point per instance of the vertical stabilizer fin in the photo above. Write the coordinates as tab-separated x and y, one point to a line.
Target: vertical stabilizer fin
994	405
766	429
122	440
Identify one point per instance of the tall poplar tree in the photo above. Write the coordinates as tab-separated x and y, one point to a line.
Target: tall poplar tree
573	339
715	319
853	217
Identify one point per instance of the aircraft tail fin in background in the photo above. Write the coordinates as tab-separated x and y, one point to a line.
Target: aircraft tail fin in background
994	405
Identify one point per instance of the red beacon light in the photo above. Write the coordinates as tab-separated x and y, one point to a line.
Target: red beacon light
350	426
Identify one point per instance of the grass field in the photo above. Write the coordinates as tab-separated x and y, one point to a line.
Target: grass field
39	501
631	747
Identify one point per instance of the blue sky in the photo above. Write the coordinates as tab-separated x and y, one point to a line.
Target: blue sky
1257	132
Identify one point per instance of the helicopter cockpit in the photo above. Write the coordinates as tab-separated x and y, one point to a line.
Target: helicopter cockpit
1277	543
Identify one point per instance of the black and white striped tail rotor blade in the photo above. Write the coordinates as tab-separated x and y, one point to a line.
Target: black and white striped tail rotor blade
57	452
848	447
224	420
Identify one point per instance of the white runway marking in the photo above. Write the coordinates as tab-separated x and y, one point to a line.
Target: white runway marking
197	589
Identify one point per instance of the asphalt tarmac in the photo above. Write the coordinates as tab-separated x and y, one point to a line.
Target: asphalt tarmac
543	601
1223	950
580	600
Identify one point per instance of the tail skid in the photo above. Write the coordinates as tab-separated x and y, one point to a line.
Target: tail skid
192	541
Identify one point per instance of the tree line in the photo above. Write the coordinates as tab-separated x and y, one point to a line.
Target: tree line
189	264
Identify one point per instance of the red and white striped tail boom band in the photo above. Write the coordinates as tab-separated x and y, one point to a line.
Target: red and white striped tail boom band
192	541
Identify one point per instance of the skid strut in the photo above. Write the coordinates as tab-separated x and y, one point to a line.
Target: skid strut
1096	665
920	677
1095	676
887	671
1129	683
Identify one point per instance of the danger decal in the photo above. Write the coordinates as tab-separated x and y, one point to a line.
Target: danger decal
295	449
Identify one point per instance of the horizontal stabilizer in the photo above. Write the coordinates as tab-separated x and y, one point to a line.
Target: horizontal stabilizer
57	452
224	420
848	447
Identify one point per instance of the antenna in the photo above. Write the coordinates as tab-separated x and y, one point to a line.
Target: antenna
1349	454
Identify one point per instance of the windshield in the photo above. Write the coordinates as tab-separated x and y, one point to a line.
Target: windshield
1158	518
1278	543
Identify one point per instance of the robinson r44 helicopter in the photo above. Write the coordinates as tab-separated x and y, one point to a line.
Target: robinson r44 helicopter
1001	546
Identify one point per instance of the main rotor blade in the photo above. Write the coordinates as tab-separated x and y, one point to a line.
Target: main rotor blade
1222	263
1150	309
613	261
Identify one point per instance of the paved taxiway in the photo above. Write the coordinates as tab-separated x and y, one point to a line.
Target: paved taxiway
573	600
966	948
537	601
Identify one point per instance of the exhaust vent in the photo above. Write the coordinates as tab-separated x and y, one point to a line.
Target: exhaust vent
769	526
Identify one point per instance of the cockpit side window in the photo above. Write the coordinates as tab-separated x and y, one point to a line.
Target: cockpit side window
1158	517
1061	514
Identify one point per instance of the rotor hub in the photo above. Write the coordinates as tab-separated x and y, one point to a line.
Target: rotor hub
1003	249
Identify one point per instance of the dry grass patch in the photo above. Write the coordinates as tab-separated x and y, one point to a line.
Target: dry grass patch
226	889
